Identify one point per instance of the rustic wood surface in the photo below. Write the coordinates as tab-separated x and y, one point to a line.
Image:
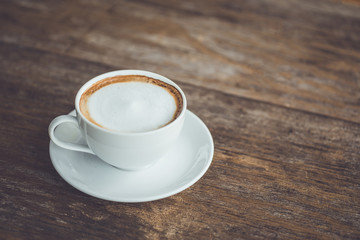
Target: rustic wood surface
276	81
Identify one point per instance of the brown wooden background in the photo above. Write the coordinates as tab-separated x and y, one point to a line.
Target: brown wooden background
276	81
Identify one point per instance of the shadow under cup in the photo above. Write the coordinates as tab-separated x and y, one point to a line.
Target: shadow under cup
124	150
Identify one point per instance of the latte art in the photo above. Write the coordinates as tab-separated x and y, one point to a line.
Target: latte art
131	104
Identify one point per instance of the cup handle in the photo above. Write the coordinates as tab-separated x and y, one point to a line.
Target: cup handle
67	145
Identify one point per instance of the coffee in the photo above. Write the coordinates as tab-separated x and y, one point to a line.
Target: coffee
131	103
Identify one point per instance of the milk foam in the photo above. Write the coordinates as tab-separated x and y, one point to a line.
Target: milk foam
131	106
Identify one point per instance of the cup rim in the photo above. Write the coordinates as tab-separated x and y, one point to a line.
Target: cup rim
122	73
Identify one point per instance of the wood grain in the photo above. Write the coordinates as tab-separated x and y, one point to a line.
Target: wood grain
297	54
276	82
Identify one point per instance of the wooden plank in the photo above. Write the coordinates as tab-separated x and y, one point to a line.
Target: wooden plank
288	53
277	172
298	54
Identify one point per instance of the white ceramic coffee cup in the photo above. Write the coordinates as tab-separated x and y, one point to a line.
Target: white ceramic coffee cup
129	151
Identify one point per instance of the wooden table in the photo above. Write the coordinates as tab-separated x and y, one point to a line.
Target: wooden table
276	82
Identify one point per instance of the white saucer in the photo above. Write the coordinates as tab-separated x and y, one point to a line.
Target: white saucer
185	164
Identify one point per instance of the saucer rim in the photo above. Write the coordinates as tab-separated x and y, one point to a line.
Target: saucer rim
151	197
